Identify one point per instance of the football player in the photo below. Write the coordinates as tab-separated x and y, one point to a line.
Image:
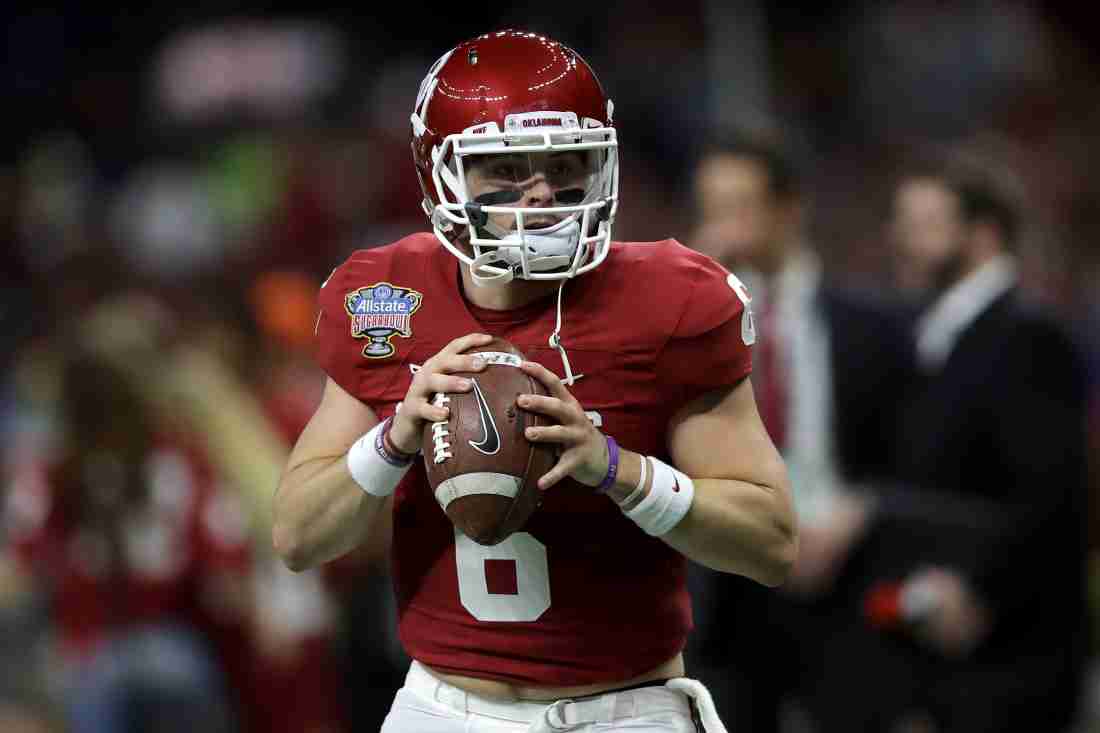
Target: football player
578	621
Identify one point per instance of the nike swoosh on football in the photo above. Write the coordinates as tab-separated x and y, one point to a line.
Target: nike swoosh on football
490	438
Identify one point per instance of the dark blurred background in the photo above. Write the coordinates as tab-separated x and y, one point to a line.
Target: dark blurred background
175	183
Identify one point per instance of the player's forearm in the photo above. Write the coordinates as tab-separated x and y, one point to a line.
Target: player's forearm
321	513
739	527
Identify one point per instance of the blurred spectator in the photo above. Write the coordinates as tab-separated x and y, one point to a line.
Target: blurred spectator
138	553
233	383
231	369
924	227
973	563
830	365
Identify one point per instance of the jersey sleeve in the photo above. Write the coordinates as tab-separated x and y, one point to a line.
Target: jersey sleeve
339	352
335	347
711	344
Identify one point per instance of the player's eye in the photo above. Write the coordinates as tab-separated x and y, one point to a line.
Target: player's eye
565	167
510	170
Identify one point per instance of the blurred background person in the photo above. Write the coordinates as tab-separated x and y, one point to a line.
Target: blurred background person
230	372
973	560
138	554
830	366
923	230
219	376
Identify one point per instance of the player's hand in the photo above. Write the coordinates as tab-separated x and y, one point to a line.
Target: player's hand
583	448
435	376
959	620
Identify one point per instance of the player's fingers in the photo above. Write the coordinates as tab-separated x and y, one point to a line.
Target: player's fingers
468	341
427	410
552	434
563	468
451	363
447	383
548	379
550	406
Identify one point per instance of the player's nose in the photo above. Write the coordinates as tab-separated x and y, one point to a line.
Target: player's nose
539	193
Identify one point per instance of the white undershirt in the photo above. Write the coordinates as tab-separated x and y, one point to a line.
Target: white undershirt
810	452
959	306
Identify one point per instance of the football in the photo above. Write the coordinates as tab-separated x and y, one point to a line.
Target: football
480	465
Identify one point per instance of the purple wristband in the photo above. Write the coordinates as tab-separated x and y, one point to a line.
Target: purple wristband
612	466
389	454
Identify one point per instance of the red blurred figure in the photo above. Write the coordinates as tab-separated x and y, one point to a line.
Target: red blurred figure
144	561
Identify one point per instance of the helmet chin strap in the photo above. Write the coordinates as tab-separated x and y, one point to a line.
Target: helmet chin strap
492	278
555	343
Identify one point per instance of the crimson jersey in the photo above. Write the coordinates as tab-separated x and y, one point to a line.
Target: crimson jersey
187	530
581	595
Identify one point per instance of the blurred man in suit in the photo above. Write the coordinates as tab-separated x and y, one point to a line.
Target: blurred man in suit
829	367
972	563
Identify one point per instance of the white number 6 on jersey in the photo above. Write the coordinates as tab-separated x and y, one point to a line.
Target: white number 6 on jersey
521	552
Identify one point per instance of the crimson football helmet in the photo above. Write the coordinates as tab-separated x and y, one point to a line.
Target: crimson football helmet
523	98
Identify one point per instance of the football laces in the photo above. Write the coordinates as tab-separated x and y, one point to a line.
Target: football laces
440	432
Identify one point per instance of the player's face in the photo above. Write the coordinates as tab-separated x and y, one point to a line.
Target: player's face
742	222
927	232
537	180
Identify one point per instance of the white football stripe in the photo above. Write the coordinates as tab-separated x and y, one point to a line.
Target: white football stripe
483	482
499	358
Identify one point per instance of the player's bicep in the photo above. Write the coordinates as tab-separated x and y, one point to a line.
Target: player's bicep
720	435
340	420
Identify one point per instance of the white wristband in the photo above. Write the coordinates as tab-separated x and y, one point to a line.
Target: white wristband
669	499
369	467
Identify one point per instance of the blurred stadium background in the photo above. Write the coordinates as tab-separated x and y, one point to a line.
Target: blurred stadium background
175	183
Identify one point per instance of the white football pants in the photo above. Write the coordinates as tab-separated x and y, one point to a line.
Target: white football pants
427	705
